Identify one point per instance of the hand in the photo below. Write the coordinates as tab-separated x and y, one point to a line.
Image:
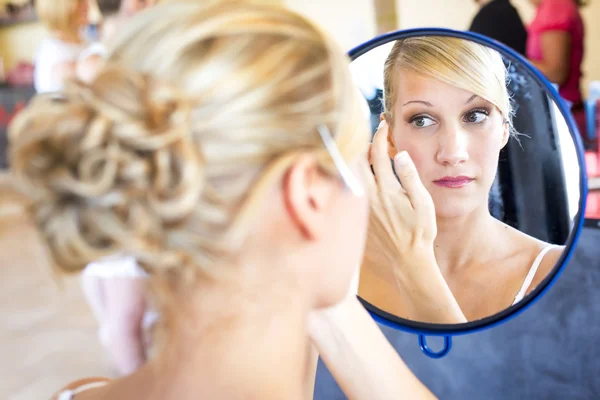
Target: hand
402	221
402	229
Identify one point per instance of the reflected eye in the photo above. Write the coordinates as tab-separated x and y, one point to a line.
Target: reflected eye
476	116
421	121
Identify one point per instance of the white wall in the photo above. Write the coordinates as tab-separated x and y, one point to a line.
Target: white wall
452	14
351	22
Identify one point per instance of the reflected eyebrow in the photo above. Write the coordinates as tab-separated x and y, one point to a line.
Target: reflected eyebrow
428	104
471	99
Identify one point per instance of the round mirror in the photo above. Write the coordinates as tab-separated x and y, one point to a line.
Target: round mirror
499	153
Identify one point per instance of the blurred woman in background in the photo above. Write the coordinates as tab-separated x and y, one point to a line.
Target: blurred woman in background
555	45
58	53
93	56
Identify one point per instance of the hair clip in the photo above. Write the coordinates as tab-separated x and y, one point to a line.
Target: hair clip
349	179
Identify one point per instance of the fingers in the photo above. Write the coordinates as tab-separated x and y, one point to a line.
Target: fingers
414	188
379	158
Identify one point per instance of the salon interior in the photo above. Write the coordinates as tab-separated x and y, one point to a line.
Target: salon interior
547	186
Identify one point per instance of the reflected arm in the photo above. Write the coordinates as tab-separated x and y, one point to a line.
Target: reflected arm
428	298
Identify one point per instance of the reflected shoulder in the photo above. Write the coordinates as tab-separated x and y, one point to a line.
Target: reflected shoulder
546	266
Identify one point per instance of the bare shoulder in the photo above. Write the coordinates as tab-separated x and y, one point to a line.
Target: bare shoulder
530	248
547	264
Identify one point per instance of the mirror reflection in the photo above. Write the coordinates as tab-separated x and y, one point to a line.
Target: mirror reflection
494	153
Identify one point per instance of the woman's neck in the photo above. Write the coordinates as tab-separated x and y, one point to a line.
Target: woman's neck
250	354
459	240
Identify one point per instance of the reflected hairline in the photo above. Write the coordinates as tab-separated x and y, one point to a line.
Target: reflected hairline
428	104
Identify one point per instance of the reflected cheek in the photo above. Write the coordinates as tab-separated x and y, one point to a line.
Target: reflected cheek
418	153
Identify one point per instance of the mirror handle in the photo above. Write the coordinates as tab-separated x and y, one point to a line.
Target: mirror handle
435	354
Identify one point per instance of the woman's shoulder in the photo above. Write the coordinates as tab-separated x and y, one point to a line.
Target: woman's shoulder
79	386
534	249
543	258
544	263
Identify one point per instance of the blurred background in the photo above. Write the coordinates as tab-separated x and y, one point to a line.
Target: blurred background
351	22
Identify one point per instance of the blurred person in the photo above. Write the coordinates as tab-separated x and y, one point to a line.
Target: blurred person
93	55
500	20
555	45
58	53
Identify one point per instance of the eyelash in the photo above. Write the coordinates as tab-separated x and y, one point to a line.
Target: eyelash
475	110
480	111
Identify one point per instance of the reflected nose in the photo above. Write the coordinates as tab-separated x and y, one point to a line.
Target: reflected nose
453	144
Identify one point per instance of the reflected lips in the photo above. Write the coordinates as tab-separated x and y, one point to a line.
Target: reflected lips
454	181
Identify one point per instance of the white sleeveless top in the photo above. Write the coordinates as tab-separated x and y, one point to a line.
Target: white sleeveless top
531	274
51	52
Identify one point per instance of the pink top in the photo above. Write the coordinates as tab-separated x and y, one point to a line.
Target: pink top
559	15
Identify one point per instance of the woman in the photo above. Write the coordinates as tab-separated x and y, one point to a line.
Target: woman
447	105
58	53
223	147
555	45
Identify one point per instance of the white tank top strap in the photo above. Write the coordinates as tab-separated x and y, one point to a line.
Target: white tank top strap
532	272
80	386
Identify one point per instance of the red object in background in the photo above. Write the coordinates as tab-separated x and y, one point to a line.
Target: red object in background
7	115
592	207
598	130
21	75
591	163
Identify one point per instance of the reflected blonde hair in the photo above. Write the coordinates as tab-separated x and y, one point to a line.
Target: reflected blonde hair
164	156
59	15
458	62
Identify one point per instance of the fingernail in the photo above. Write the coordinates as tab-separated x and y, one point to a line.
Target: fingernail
381	123
402	158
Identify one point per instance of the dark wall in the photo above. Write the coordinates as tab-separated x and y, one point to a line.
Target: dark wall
12	99
550	351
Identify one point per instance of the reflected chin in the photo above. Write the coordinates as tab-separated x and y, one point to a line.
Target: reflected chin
453	206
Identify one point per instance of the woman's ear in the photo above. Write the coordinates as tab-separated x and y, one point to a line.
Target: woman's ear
307	193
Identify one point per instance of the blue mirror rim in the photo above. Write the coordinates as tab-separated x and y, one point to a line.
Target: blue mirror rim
422	328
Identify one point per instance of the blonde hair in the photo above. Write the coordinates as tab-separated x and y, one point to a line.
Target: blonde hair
59	15
165	155
458	62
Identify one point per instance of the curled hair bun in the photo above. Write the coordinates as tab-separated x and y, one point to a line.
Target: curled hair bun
110	166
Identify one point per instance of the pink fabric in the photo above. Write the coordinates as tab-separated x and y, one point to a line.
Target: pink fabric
559	15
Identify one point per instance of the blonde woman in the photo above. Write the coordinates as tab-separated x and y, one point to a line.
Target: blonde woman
223	146
447	105
58	53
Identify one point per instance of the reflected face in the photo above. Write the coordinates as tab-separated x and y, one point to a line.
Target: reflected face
454	138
